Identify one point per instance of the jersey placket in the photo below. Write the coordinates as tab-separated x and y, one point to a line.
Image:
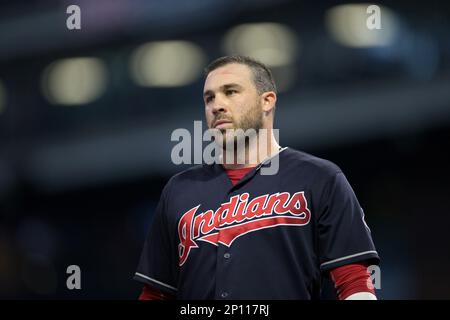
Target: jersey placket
224	253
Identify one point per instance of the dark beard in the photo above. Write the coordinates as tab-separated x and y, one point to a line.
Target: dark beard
252	119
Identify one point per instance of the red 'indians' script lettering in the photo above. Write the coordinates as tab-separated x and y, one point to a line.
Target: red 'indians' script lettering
240	216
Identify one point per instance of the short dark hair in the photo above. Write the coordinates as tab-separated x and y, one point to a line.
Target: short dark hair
262	76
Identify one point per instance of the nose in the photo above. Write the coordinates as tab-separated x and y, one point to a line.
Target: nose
219	106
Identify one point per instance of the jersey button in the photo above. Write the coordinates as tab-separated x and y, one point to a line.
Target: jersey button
224	294
227	255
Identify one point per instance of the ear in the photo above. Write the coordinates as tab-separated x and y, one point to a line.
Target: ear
268	100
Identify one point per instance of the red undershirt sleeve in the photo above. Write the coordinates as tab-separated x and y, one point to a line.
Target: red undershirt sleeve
151	293
350	279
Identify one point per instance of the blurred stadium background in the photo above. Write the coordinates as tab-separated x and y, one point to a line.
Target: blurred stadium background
86	117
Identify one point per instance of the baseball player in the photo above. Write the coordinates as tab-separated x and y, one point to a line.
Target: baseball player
227	231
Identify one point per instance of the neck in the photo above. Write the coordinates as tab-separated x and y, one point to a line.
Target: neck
253	153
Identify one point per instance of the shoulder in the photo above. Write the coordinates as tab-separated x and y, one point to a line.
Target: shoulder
297	160
186	177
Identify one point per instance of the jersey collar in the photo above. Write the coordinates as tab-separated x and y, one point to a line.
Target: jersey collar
219	170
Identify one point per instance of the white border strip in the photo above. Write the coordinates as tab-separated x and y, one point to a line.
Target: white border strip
348	257
270	158
156	281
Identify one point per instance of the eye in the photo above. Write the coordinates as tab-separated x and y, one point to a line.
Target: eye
208	99
230	92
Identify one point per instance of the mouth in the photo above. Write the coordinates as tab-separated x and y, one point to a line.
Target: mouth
221	124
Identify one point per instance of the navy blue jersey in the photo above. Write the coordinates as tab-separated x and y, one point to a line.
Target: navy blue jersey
267	237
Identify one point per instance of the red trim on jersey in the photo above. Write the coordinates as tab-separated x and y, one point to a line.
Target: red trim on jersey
237	174
151	293
352	278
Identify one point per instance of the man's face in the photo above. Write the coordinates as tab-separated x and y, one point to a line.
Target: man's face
231	99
